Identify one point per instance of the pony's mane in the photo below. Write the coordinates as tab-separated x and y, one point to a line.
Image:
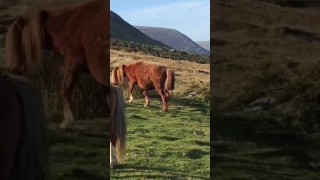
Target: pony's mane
25	41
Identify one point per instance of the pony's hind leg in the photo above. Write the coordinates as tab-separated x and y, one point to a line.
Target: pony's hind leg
130	92
65	91
146	97
164	100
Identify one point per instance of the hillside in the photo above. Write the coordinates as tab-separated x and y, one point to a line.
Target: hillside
122	30
159	51
173	38
263	50
204	44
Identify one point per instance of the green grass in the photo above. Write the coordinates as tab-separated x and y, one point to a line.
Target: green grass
173	145
256	147
81	152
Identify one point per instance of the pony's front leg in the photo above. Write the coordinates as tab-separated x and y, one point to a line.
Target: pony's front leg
113	157
65	91
146	97
131	86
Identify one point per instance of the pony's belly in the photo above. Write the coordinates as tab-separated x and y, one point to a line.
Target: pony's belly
147	85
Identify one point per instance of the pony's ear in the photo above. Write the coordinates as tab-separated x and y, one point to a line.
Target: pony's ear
20	22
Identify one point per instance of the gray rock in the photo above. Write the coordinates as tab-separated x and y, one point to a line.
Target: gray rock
262	104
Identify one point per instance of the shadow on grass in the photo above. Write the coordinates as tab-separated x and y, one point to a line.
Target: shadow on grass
292	150
80	174
263	131
157	104
196	154
167	173
193	103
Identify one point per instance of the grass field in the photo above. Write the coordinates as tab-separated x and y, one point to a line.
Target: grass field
264	50
173	145
82	152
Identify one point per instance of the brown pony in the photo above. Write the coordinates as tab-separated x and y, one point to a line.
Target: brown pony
80	33
74	31
23	129
148	77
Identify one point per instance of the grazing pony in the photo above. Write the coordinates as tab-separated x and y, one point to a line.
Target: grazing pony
23	131
80	34
75	32
148	77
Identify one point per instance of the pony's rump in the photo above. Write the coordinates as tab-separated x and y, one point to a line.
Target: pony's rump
169	85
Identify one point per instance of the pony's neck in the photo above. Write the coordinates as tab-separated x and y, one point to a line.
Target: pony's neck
54	24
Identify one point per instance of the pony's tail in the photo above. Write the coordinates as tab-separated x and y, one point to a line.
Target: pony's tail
33	40
120	73
114	76
120	124
32	156
14	61
169	85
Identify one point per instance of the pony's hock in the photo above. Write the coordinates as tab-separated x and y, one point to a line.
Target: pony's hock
148	77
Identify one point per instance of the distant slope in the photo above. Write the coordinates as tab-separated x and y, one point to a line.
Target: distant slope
120	29
204	44
173	38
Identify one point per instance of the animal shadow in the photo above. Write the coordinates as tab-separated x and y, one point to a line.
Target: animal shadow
83	174
196	154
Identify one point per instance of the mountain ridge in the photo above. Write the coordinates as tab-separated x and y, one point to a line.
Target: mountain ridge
122	30
172	38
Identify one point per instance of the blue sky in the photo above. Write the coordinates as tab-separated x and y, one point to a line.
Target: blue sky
190	17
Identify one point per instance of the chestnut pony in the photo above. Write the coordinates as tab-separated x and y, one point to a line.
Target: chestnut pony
80	34
148	77
23	131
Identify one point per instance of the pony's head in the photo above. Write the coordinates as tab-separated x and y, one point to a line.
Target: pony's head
118	74
25	41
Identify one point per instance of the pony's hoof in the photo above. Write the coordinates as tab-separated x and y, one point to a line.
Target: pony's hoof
146	105
111	166
63	125
130	101
164	110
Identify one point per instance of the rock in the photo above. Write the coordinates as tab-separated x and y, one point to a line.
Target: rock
262	104
192	94
203	72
